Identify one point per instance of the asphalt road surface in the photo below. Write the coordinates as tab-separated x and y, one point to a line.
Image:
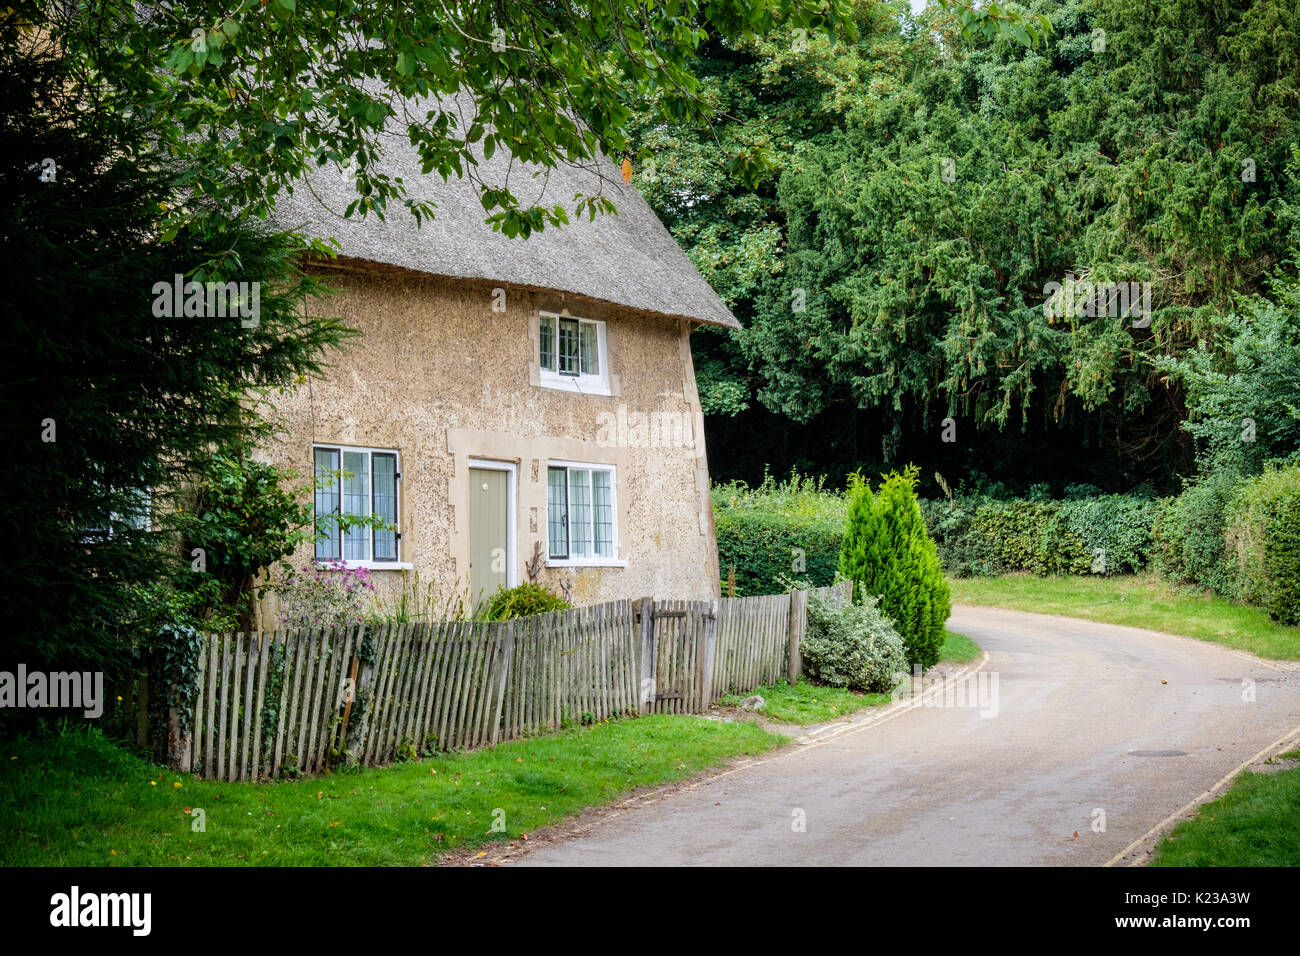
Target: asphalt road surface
1071	742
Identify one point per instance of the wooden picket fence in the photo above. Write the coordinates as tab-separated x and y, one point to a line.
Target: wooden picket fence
298	701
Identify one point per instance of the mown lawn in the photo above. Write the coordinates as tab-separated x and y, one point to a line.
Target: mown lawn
78	800
809	703
1136	601
1255	823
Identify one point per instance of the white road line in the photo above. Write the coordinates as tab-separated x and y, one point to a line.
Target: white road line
1278	745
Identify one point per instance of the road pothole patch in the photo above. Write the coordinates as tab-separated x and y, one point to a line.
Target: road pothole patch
1157	753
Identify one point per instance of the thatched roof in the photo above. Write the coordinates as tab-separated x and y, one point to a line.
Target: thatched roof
629	259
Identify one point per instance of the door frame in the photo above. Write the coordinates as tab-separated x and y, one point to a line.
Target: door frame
512	508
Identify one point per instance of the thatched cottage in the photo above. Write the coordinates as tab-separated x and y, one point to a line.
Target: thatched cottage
517	408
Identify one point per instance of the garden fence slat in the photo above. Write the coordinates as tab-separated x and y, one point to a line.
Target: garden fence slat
437	678
401	678
455	652
263	643
224	710
295	698
424	685
246	644
214	657
282	716
383	679
461	685
455	700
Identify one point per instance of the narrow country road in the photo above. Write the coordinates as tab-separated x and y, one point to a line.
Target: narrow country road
1091	724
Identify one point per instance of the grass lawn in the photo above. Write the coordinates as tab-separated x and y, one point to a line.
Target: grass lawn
958	649
79	800
808	703
1137	601
1255	823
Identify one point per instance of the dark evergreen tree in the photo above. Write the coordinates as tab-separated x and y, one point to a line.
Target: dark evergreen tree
106	404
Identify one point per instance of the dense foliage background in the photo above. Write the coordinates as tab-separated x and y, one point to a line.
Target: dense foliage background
920	192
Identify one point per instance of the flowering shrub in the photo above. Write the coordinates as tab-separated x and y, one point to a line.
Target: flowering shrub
330	596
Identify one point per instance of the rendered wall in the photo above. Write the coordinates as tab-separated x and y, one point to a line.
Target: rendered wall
442	378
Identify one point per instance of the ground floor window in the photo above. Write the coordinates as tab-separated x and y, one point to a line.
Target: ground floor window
580	511
356	482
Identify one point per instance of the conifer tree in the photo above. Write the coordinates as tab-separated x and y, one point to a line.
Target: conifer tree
887	552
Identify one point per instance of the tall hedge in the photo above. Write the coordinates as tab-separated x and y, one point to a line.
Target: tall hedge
1189	542
1262	537
1099	534
887	552
778	534
766	551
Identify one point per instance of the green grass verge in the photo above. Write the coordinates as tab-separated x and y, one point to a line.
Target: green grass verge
1136	601
809	703
79	800
959	649
1255	823
806	702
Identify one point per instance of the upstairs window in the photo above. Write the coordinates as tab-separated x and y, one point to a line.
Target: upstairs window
358	482
572	354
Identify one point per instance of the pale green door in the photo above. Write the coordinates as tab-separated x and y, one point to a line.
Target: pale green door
489	531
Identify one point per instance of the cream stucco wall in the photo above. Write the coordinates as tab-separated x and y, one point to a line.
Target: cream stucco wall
442	378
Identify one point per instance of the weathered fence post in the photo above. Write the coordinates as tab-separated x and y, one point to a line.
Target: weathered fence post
178	742
706	655
644	609
363	694
503	676
142	710
798	626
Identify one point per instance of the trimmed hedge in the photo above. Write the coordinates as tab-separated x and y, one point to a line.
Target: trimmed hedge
1262	534
778	534
1104	534
1238	537
1190	547
768	550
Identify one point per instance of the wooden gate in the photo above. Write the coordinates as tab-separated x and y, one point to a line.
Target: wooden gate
678	641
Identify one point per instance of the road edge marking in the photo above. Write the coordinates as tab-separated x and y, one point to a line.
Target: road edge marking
1291	736
843	728
795	745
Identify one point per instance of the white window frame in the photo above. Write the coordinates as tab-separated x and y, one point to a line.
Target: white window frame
512	508
141	520
585	384
370	563
589	562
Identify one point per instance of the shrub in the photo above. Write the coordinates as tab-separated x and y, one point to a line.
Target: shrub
334	596
778	532
521	601
1114	531
1262	532
1189	543
853	646
961	553
887	552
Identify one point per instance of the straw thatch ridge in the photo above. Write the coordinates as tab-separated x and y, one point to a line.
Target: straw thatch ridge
628	259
